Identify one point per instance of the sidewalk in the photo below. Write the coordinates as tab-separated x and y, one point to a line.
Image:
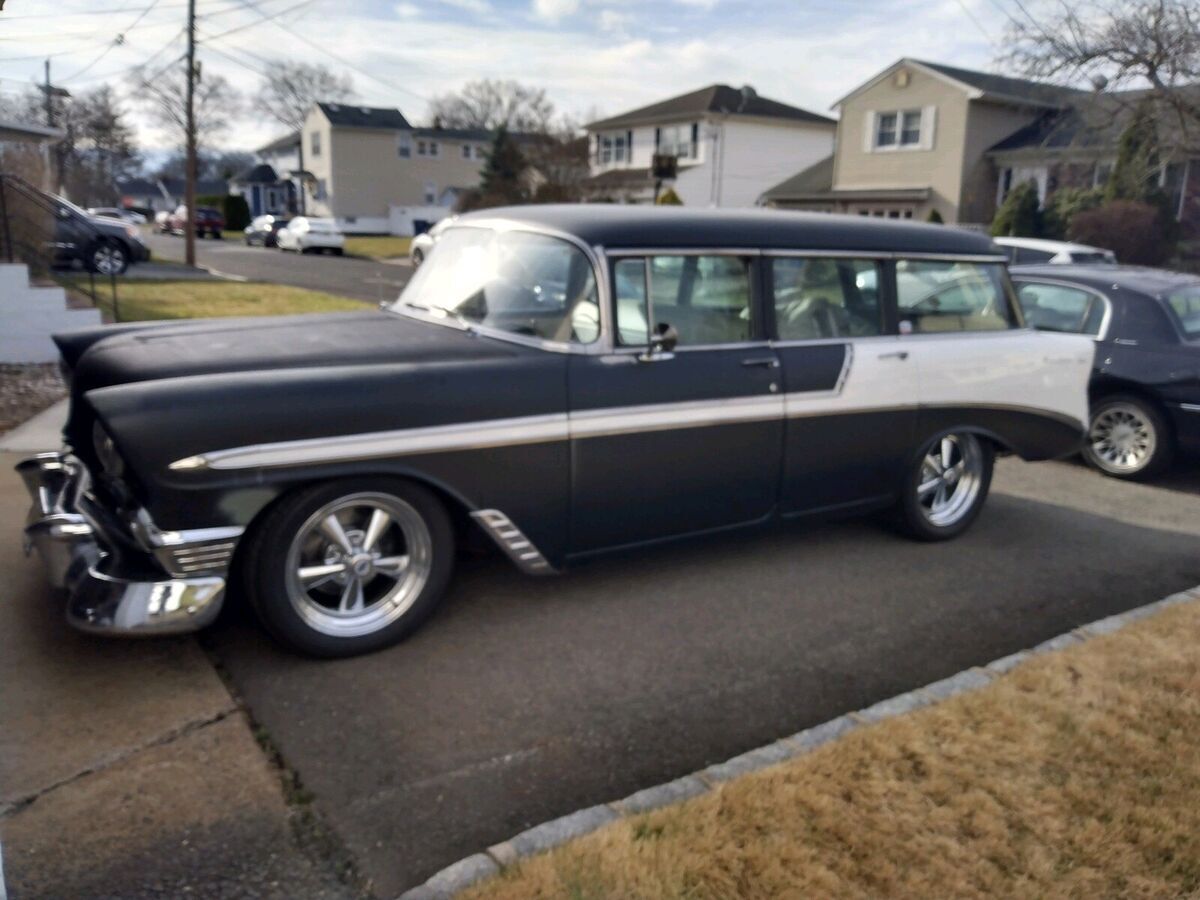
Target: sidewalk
126	768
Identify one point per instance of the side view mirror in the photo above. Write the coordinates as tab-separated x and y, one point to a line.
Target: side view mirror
662	343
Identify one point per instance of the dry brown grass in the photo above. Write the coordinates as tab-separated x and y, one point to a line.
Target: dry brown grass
1076	775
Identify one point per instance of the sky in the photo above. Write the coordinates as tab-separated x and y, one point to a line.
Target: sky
592	56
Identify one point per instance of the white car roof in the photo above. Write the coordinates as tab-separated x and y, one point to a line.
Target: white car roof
1048	246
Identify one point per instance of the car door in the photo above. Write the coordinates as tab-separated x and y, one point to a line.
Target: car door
975	362
850	388
683	440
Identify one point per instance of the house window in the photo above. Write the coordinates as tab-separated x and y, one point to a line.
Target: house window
314	143
677	140
466	151
885	133
427	148
421	148
900	129
430	193
615	148
480	153
433	148
404	146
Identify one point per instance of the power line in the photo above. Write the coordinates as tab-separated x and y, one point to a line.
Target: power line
265	18
970	15
116	41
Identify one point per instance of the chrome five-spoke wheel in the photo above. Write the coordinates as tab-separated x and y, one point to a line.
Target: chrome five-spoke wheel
358	563
950	478
946	485
350	566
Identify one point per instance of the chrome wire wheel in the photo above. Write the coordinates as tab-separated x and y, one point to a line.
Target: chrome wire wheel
358	564
1122	439
950	480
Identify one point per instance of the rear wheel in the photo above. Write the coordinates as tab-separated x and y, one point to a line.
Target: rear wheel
417	257
946	486
350	566
1128	438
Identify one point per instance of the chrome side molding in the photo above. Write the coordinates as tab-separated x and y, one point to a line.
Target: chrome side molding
512	541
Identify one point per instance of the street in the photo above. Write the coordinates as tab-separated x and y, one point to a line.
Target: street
362	279
525	699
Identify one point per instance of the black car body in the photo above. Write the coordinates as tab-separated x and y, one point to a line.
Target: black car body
797	365
1146	382
262	230
102	245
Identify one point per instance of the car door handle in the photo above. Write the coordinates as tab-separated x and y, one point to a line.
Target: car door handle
899	354
767	362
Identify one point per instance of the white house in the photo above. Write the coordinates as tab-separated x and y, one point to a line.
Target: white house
730	145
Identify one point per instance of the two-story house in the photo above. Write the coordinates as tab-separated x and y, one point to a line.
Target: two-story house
922	136
730	145
373	172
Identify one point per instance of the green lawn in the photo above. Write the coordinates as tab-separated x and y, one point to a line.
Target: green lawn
141	300
383	247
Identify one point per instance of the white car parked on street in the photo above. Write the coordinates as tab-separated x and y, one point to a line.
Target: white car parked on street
423	243
306	235
113	212
1035	251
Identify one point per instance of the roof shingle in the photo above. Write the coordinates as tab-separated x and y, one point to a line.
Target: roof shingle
716	98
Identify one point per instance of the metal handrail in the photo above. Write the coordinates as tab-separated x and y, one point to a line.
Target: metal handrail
32	254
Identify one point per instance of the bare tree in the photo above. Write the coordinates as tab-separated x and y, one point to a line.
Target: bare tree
289	89
491	104
1148	44
217	104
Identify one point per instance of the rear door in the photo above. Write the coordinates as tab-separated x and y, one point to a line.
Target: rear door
976	362
850	388
672	443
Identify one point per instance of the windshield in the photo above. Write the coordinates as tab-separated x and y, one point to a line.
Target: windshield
1185	305
515	281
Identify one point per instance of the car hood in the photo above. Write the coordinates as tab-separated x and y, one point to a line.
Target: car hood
121	354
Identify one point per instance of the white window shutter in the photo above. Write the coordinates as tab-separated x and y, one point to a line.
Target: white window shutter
928	126
869	132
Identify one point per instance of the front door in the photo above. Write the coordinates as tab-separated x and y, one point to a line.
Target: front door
671	443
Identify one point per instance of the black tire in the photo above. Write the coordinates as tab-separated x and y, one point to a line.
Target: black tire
336	251
925	523
1151	443
272	592
216	235
106	257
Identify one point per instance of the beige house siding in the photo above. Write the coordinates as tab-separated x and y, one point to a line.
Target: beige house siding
316	202
938	168
987	125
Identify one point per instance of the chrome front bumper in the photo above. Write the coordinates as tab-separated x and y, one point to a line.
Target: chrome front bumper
167	593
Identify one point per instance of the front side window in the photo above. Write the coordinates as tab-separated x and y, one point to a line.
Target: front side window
825	298
1185	306
705	298
514	281
1055	307
945	295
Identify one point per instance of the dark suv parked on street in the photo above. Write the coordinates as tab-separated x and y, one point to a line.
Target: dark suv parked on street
104	246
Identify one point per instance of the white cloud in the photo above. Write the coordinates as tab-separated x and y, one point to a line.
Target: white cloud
553	10
612	20
408	10
479	7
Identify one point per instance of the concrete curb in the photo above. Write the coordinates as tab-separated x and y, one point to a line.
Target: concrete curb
467	872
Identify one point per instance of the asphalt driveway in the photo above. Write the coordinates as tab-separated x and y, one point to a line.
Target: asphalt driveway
525	699
362	279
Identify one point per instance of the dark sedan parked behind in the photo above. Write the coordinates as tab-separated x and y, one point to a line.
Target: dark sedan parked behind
1145	387
263	230
104	246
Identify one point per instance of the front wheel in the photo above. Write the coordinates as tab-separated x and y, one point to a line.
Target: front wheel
1128	438
946	485
349	566
107	258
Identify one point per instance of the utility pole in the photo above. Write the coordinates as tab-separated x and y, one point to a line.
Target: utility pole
189	189
55	160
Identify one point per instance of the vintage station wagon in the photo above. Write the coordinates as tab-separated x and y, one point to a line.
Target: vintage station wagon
569	380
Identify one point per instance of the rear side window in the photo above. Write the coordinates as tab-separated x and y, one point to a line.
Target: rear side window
1056	307
948	295
705	298
825	298
1185	306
